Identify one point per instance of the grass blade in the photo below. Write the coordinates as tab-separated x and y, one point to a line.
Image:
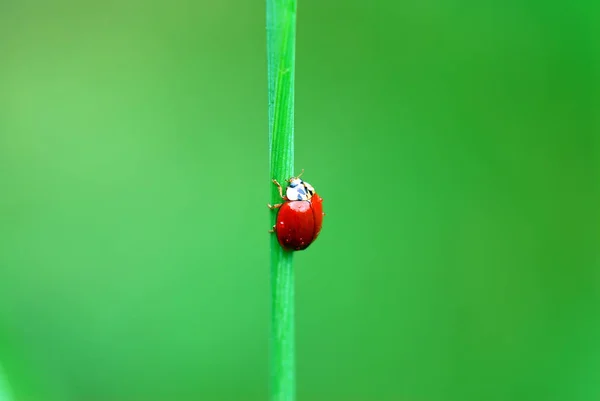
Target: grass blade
281	41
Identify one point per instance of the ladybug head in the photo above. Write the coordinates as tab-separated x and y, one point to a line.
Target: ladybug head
299	190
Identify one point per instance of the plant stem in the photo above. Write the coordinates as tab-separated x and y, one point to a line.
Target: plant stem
281	40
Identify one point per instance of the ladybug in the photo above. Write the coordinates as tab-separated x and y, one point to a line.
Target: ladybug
300	216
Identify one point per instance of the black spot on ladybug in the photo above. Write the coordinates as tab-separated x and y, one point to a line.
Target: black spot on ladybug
299	197
293	184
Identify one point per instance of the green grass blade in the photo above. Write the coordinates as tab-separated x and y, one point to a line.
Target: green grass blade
281	41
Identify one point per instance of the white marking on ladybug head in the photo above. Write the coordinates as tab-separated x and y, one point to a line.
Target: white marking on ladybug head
299	190
309	189
295	182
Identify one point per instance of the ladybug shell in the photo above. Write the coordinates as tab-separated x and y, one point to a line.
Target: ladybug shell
299	223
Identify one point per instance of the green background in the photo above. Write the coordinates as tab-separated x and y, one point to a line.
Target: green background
455	144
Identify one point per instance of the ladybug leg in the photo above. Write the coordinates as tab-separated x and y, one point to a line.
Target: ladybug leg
279	187
272	230
275	206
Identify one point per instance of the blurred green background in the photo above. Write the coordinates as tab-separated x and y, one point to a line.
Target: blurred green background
455	144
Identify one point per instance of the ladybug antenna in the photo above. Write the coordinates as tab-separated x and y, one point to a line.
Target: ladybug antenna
299	175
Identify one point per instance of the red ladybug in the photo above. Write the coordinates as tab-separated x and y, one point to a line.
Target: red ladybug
300	216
